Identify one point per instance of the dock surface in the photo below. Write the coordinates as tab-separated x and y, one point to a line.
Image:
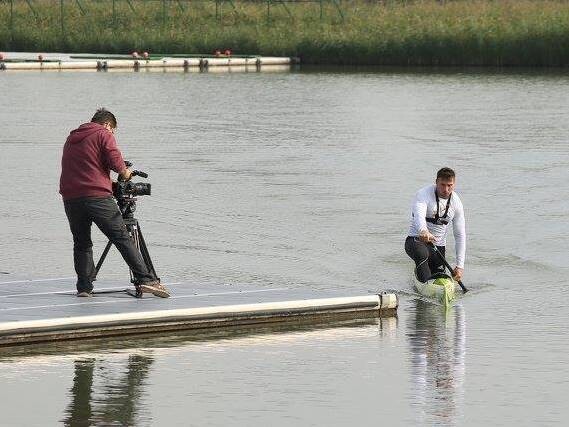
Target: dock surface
44	310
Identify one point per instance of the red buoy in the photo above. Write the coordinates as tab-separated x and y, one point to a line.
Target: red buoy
145	54
217	52
134	54
227	52
1	56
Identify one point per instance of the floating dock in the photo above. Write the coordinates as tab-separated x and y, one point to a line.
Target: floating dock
47	310
197	63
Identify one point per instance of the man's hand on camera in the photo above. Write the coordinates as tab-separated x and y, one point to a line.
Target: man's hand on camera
126	174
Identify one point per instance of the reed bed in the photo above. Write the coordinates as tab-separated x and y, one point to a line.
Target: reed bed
427	32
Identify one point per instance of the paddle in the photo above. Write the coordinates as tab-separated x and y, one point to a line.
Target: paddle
464	290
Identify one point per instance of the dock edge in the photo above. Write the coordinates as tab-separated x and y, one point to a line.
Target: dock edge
107	325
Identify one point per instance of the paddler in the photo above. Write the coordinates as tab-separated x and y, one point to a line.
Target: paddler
434	208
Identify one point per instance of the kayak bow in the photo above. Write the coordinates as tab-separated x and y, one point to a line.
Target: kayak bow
441	288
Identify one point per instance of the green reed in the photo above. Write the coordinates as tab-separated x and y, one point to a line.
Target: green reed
428	32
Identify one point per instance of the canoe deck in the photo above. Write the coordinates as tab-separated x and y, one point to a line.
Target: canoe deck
442	291
40	310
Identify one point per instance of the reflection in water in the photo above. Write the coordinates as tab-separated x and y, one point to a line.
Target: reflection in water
337	321
437	348
388	327
104	392
116	400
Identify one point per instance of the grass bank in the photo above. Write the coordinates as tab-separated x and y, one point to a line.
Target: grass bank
427	32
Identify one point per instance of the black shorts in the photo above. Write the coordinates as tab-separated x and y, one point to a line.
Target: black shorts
427	261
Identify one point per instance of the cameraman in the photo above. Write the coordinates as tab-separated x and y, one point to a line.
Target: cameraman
89	154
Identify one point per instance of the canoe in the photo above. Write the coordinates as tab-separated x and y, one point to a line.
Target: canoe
441	288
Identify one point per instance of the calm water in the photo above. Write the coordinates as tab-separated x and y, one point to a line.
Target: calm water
305	180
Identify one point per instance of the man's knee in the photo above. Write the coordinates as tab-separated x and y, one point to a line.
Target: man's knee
422	275
416	250
113	228
118	231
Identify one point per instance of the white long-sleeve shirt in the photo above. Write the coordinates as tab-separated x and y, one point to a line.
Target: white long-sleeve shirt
425	205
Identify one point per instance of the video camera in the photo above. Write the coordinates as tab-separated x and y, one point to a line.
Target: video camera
123	190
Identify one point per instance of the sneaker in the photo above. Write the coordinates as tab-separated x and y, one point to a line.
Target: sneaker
84	294
155	288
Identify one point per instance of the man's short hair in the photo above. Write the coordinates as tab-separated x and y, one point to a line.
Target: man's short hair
102	116
446	174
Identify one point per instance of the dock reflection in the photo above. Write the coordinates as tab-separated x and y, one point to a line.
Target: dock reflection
111	387
437	339
99	396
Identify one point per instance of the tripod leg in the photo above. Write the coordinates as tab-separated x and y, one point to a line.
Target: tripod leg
137	292
133	232
133	228
103	256
144	251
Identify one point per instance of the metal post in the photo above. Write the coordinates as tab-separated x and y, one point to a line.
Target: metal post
62	19
80	6
164	13
321	11
11	23
216	9
339	8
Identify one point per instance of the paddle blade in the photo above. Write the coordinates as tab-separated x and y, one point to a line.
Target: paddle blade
464	290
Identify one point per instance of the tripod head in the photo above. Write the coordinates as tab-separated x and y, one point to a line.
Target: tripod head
126	192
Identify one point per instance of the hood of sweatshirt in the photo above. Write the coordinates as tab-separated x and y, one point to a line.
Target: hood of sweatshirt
84	131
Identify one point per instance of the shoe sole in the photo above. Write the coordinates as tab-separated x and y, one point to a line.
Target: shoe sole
84	294
162	293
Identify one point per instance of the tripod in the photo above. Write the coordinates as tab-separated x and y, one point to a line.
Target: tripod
127	206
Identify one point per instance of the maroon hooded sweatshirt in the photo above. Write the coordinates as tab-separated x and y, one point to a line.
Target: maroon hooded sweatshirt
89	155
